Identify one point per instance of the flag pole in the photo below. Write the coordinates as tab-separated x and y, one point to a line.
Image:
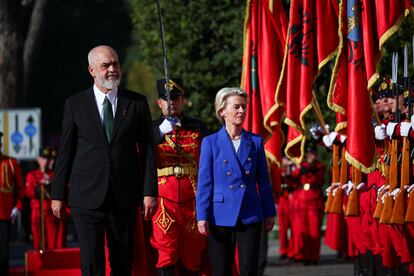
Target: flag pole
318	114
164	50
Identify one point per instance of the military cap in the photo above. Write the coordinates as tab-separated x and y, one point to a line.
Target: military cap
375	96
53	152
44	152
385	88
175	86
311	147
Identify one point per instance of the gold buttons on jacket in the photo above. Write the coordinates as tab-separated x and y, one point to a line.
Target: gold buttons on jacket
225	161
247	172
249	159
231	187
243	186
228	173
306	186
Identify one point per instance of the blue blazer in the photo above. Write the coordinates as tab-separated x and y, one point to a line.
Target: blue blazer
227	181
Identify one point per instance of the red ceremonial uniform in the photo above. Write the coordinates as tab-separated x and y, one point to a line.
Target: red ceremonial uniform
310	209
285	213
11	186
336	233
34	179
175	234
394	237
11	194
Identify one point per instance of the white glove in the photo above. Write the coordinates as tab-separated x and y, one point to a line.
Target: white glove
314	133
334	190
330	188
395	193
380	132
384	196
347	187
361	186
390	129
332	136
383	187
166	127
350	187
386	187
327	141
405	128
342	138
13	214
409	189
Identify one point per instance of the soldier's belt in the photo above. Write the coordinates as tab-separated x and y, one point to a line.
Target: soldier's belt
6	190
308	186
177	171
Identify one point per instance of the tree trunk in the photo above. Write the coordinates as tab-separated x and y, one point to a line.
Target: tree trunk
33	43
10	54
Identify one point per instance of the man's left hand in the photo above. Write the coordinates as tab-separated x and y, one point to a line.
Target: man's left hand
150	206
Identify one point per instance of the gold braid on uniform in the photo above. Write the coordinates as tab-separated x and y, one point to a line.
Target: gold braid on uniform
192	226
7	187
164	220
193	183
381	165
162	181
180	150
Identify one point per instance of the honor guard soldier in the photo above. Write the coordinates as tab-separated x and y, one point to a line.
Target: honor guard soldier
37	187
11	194
178	138
310	206
285	208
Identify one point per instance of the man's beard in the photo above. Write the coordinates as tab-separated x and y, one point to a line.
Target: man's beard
109	83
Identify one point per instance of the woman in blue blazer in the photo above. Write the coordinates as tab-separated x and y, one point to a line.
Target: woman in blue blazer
234	196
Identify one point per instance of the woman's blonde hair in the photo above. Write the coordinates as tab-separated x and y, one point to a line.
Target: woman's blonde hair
221	99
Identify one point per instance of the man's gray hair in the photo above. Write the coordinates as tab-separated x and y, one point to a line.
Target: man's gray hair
221	99
92	53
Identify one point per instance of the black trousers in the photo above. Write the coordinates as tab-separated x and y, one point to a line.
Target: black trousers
91	227
4	246
222	244
264	238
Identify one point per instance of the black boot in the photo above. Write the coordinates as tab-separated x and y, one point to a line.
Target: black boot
187	272
166	271
403	270
379	269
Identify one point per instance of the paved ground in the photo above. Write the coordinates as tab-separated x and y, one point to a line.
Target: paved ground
327	265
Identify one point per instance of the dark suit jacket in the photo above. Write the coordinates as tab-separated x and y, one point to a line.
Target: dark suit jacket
91	164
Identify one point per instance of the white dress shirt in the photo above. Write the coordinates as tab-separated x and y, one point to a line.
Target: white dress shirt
100	97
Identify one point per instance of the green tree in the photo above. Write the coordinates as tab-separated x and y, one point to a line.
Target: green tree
204	42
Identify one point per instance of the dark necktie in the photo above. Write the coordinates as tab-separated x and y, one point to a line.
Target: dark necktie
108	118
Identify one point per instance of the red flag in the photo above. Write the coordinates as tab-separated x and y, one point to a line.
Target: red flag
338	91
265	36
366	25
312	41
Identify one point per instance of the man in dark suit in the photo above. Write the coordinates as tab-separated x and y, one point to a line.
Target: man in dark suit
109	164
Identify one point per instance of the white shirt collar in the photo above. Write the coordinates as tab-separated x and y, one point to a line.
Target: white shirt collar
100	96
